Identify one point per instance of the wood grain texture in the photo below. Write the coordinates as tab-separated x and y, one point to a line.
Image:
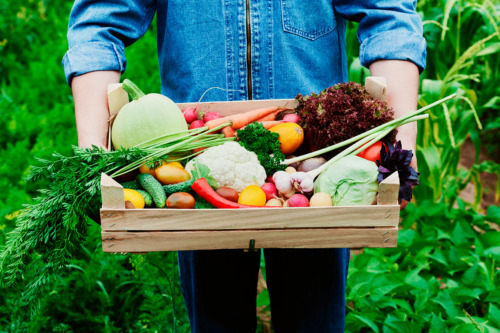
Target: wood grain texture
112	193
268	218
117	98
139	231
206	240
388	192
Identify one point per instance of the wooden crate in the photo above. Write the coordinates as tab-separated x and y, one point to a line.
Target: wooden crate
147	230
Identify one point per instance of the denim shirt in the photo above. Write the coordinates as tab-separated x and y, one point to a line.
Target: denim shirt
256	49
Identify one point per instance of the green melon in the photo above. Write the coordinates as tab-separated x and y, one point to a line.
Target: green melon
145	118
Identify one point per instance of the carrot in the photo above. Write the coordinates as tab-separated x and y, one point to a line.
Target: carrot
241	119
270	116
228	131
268	124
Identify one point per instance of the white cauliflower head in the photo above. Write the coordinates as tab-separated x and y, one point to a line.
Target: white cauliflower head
231	165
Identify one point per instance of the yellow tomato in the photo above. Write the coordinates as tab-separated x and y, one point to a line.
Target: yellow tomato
171	174
144	169
175	164
134	197
252	195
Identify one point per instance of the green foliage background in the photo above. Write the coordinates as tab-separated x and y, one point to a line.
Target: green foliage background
445	274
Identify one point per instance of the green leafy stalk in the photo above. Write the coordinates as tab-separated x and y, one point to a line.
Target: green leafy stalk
132	89
175	146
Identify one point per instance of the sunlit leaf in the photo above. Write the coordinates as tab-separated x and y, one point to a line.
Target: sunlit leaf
366	322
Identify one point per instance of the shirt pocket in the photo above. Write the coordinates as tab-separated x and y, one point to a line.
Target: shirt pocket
308	19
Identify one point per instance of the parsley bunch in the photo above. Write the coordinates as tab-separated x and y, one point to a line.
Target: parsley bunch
264	144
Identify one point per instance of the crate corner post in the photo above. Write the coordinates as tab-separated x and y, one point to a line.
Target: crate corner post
388	196
389	190
112	193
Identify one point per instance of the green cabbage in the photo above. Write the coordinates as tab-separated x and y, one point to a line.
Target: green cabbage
350	181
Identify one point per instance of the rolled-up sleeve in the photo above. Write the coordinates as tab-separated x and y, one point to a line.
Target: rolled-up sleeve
99	31
388	30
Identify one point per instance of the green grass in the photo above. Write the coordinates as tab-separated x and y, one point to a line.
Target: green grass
444	275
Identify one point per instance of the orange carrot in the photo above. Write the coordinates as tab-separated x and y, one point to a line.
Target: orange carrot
242	119
228	131
268	124
270	116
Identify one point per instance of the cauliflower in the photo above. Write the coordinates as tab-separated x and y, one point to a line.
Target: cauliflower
231	165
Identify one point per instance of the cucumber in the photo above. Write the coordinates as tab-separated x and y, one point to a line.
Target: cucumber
153	187
179	187
148	199
133	185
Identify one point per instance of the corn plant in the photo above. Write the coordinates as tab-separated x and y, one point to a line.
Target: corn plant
463	55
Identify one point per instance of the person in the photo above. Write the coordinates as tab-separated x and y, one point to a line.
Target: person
256	49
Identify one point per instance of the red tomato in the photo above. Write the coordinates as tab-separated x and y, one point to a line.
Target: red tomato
180	200
372	153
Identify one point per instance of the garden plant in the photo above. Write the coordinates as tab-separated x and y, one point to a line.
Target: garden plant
444	276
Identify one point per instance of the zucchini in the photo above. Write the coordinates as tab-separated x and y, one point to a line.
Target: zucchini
153	187
179	187
148	199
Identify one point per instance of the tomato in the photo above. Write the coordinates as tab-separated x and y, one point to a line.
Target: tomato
134	197
144	169
252	195
228	193
171	174
372	153
180	200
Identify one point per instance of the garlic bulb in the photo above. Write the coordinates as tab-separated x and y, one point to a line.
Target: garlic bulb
302	182
283	182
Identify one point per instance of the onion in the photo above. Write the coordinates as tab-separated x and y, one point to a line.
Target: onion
311	164
293	165
321	199
275	202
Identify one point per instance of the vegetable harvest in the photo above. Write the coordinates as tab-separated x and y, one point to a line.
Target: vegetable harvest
204	190
52	229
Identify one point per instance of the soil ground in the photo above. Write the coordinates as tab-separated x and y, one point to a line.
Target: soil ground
488	180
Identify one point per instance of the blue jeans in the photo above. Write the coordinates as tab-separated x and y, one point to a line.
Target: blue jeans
306	289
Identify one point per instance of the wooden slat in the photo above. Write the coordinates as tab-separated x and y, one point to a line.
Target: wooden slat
264	218
112	193
291	238
229	108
